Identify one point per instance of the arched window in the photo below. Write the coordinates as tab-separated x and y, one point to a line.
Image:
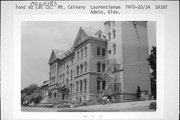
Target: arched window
98	67
103	67
85	66
77	70
98	50
85	49
81	68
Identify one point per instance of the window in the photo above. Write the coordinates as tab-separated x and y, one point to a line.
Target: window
77	70
98	67
103	85
85	84
109	35
67	67
72	61
103	52
63	65
114	33
115	68
115	87
81	53
85	51
85	67
103	67
63	78
77	55
71	74
77	86
98	50
81	86
98	85
60	77
54	95
81	68
114	48
71	88
109	51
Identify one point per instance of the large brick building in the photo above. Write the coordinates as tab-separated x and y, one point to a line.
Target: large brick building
78	70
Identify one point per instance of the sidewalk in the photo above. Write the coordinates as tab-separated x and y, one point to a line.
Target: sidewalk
127	106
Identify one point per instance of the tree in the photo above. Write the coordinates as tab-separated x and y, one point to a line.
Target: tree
152	62
37	96
31	93
138	92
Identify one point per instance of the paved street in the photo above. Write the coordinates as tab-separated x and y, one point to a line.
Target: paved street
115	107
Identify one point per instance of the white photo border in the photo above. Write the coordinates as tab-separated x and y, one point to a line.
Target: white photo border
18	114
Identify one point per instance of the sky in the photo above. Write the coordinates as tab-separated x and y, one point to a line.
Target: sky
38	38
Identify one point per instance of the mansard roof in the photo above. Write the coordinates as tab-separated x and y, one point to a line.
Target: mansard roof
56	54
85	33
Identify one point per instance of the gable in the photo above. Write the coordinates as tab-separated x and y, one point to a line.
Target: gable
80	37
84	33
52	57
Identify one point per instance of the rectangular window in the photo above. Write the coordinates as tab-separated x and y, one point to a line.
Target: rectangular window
81	86
103	67
103	85
85	51
98	85
78	55
85	82
98	51
81	53
77	87
103	52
